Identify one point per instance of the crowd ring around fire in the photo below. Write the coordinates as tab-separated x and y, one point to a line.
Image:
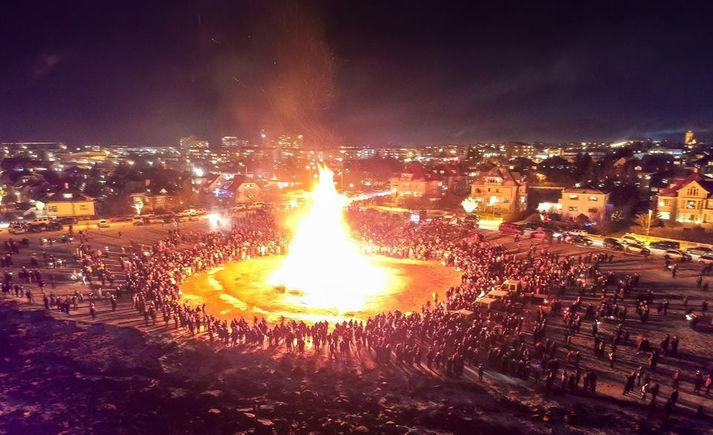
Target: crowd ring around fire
324	276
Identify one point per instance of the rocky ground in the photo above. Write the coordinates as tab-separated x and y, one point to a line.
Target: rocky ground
65	376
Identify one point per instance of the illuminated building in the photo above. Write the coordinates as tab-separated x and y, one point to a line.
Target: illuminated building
589	202
416	183
69	203
519	149
688	201
192	142
232	142
689	138
500	191
290	142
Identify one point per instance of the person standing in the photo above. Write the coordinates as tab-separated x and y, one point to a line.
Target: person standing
629	383
698	382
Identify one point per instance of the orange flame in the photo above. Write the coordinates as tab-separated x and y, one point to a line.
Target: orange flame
324	264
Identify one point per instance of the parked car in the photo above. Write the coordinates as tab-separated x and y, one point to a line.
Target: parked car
637	249
675	254
706	259
17	228
578	240
39	221
665	244
578	232
628	238
103	223
541	233
614	244
54	226
154	219
36	228
528	229
121	218
509	228
67	220
699	250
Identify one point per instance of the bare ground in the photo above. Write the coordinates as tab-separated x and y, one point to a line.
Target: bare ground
66	376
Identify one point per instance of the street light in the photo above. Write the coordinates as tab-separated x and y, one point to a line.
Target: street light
648	222
493	200
138	205
469	205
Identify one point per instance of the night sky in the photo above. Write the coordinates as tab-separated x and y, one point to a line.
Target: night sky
359	72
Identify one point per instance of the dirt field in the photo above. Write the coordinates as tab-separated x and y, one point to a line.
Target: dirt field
241	289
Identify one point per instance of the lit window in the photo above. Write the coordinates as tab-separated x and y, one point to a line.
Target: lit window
67	195
692	191
573	209
665	215
593	198
691	204
574	197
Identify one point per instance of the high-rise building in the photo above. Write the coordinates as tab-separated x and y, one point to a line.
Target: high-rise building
232	141
192	142
287	141
689	138
518	149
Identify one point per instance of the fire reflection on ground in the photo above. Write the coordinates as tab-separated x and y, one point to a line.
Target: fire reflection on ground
240	289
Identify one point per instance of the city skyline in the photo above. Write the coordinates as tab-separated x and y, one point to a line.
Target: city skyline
355	74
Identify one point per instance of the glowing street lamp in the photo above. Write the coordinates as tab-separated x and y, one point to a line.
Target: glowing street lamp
138	206
469	205
40	206
491	202
648	222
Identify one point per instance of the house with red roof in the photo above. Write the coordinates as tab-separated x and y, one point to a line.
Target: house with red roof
500	191
688	201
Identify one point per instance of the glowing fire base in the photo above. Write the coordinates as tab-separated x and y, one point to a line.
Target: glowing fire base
241	289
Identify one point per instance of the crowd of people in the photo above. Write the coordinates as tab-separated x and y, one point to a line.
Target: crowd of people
449	335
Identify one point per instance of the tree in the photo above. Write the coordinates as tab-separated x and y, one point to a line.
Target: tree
584	168
582	220
646	221
557	170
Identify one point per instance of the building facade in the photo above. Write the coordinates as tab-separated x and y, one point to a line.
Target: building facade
688	201
519	149
416	183
500	191
69	203
150	203
591	203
